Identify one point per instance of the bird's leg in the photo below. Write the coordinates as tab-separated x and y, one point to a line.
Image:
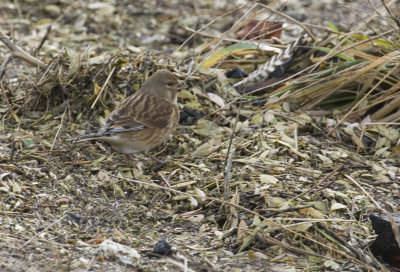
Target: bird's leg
161	163
131	158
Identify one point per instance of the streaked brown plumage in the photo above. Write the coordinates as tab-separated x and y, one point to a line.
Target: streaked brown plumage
143	120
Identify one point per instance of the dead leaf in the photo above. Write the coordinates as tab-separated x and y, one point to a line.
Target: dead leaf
260	29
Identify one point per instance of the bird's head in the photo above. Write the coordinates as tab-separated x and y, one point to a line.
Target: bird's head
164	84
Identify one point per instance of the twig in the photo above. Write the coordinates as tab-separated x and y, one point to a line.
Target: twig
270	221
388	58
20	53
49	28
295	249
340	240
44	38
287	17
42	79
291	209
228	165
333	180
45	229
317	184
59	128
184	266
17	214
218	41
206	25
5	96
104	86
313	219
395	19
393	224
12	150
229	153
235	100
4	65
345	39
276	48
103	68
312	67
90	263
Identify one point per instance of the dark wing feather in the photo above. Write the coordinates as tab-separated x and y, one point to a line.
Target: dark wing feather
139	111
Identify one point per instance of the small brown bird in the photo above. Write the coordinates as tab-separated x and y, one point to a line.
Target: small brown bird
143	120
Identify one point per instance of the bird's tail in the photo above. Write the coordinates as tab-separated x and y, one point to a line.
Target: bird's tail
88	137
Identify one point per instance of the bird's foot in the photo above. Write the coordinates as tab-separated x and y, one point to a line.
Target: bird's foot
160	163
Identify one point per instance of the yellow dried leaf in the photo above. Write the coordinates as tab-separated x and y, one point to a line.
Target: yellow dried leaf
239	48
267	179
96	89
200	194
208	129
338	206
16	188
257	119
313	213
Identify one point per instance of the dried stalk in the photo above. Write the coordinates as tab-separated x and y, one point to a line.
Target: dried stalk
20	53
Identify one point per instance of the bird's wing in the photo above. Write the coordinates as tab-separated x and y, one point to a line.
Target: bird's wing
139	111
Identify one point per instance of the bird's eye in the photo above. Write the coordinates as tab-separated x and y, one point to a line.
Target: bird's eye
170	84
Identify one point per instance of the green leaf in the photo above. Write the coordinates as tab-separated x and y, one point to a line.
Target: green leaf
28	142
383	43
333	27
333	70
339	55
208	129
223	53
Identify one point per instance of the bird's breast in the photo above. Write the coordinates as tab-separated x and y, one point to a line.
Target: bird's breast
174	117
132	142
